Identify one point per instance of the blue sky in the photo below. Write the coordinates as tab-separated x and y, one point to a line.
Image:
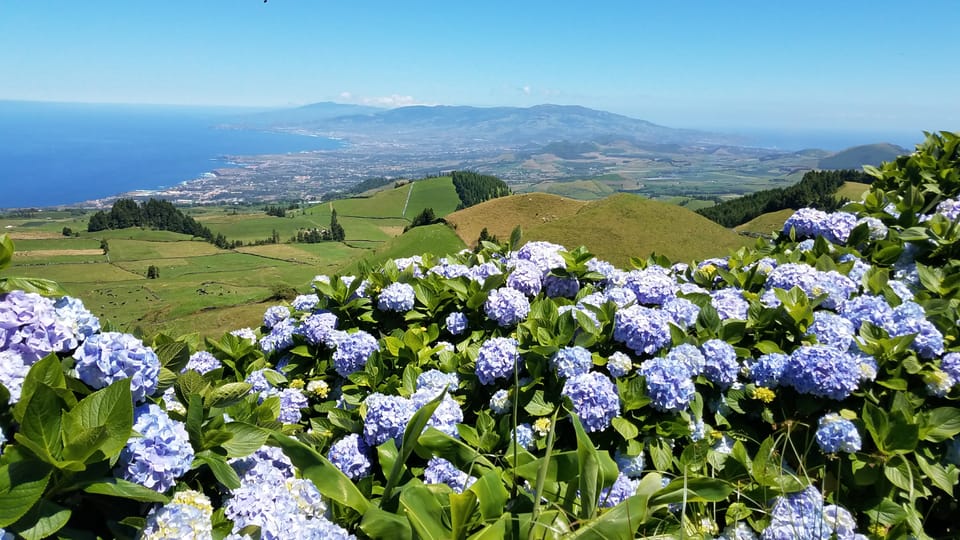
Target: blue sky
834	65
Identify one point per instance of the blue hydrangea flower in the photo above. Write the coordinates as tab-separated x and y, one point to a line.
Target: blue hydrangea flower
682	312
729	303
506	306
353	351
721	365
928	341
280	336
258	381
525	277
802	515
621	296
350	455
72	313
108	357
202	362
524	436
738	531
30	325
668	384
436	381
769	369
901	289
836	286
456	323
481	272
619	364
386	418
570	361
652	285
412	263
319	329
545	255
698	430
832	330
12	373
595	399
838	226
573	310
245	333
878	231
449	270
690	357
500	402
396	297
822	371
305	302
447	414
599	266
631	466
806	222
161	452
291	401
867	308
950	364
561	287
835	434
623	488
275	314
496	359
644	330
441	471
187	515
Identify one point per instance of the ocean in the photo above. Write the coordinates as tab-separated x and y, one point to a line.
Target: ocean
58	154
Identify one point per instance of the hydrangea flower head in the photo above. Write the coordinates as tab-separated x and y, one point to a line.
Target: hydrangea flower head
31	326
682	312
305	302
570	361
619	364
396	297
729	303
835	434
631	466
690	357
595	399
456	323
280	336
496	359
275	314
353	351
644	330
108	357
291	401
832	330
500	402
668	384
386	418
802	515
12	373
441	471
161	452
822	371
202	362
436	381
72	313
506	306
721	366
319	329
525	277
561	287
651	286
768	369
350	455
524	436
623	488
545	255
188	515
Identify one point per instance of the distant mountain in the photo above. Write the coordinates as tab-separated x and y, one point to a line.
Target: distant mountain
858	156
315	112
485	126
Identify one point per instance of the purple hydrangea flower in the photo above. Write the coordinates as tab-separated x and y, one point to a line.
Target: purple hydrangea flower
305	302
561	287
644	330
652	286
595	399
802	515
319	329
258	381
447	414
506	306
441	471
12	373
202	362
111	356
668	384
481	272
835	434
351	455
729	303
436	381
619	364
396	297
621	296
631	466
814	283
950	364
496	359
353	351
822	371
386	418
456	323
867	308
682	312
161	452
721	365
543	254
72	313
413	263
291	401
570	361
805	222
525	277
449	270
274	315
30	325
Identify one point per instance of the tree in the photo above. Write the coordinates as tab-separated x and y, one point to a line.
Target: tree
337	233
426	217
153	272
67	231
105	246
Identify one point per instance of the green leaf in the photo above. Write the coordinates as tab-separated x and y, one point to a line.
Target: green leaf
116	487
423	511
589	471
221	470
43	287
227	394
378	523
940	424
49	372
6	250
938	475
622	521
41	424
247	439
21	486
692	490
173	355
110	408
627	429
44	520
330	481
462	508
434	442
875	420
491	495
538	405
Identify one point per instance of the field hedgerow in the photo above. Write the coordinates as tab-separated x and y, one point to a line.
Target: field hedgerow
804	388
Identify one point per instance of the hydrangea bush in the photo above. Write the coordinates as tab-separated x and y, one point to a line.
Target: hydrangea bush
804	388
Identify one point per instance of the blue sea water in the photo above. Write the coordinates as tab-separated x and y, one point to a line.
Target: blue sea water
58	154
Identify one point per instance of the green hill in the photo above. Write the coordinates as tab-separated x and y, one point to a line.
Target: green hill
858	156
499	216
624	225
766	223
438	239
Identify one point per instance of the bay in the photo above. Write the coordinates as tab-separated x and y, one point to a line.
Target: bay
63	153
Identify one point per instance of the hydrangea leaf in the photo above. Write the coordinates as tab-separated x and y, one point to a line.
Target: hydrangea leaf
21	485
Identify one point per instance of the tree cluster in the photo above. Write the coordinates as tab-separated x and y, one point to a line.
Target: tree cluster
474	188
155	214
426	217
817	189
337	233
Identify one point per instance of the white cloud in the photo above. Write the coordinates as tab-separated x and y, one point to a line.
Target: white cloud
389	102
526	89
346	95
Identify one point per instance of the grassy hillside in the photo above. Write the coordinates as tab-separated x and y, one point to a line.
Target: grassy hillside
766	223
587	190
500	216
858	156
623	225
438	239
852	190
